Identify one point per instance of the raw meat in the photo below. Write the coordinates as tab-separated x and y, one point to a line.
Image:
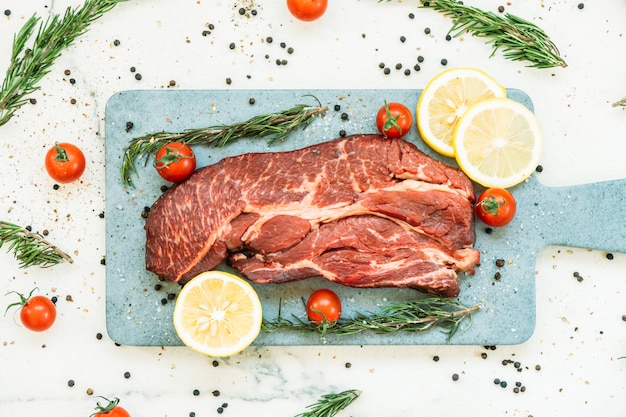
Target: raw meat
363	211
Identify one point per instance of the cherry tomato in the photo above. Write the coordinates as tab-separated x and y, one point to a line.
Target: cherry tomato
65	162
37	313
175	162
112	409
496	207
394	120
307	10
323	305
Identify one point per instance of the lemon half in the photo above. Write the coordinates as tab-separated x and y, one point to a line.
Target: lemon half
498	142
217	314
444	100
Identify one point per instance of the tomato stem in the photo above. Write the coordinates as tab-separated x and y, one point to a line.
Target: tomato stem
391	121
171	156
110	406
491	204
22	302
61	153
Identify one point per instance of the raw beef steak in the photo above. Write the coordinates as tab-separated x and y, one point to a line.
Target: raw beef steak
363	211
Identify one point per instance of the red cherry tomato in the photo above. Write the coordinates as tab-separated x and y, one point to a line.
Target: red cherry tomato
112	409
65	162
323	305
496	207
307	10
394	120
175	162
37	313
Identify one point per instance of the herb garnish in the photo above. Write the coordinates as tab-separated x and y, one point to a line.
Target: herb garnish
30	248
621	102
416	315
30	64
274	125
519	39
331	404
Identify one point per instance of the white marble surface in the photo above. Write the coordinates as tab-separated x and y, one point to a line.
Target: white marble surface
580	331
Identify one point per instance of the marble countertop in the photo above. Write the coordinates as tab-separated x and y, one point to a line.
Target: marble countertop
569	366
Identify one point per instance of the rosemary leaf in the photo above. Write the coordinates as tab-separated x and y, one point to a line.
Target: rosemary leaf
519	39
29	65
30	248
331	404
276	126
416	315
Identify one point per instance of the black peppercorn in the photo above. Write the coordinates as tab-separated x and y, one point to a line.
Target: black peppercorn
416	67
503	384
283	45
407	72
242	11
387	71
448	37
499	263
411	16
455	377
7	12
216	364
290	50
216	393
220	410
344	116
251	100
55	187
232	45
539	168
269	39
138	77
398	66
444	62
436	358
229	81
99	336
196	392
342	133
496	381
126	374
609	256
402	39
501	9
420	59
337	107
427	31
580	6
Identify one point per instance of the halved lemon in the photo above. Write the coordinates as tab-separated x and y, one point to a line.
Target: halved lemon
498	142
217	314
444	100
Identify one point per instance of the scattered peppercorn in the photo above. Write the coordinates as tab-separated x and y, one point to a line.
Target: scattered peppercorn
99	336
381	65
55	187
269	39
609	256
402	39
69	298
192	414
580	6
251	100
455	377
220	410
436	358
171	296
416	67
254	12
420	59
283	45
70	383
427	31
283	62
539	168
206	32
7	12
488	230
33	101
578	277
29	228
348	365
196	392
290	50
138	77
501	9
344	116
232	45
163	301
337	107
503	384
483	355
229	81
224	405
216	363
497	276
499	263
242	11
89	391
496	381
126	374
411	16
398	66
216	393
54	299
444	62
537	367
116	42
387	71
163	188
133	69
129	126
448	37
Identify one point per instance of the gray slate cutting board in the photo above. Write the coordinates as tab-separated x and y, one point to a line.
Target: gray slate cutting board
137	314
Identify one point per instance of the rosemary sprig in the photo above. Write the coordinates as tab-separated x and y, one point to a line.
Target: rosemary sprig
416	315
519	39
621	102
275	125
30	248
331	404
29	65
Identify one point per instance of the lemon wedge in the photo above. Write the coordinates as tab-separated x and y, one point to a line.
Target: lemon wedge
498	142
444	100
217	314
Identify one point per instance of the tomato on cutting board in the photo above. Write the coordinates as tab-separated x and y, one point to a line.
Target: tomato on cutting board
323	305
37	313
496	207
394	120
65	162
112	409
307	10
175	161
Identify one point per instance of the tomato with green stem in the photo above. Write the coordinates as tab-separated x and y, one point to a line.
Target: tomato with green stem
111	409
323	306
496	207
37	313
65	162
307	10
394	120
175	161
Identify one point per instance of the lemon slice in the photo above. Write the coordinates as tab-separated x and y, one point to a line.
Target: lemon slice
445	98
498	142
217	314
